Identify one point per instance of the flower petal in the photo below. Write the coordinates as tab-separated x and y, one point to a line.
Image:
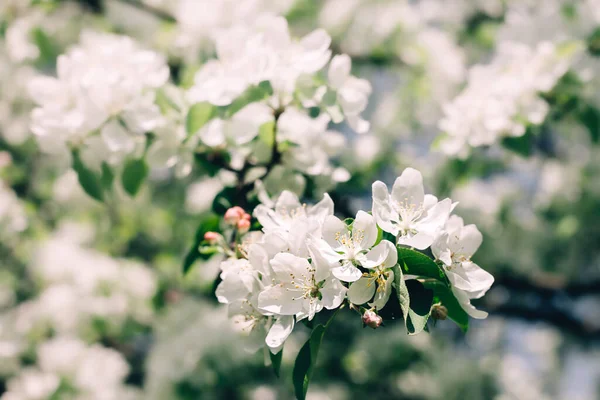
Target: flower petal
361	291
279	332
408	188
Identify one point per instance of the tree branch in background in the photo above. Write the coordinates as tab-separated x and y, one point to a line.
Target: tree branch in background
545	300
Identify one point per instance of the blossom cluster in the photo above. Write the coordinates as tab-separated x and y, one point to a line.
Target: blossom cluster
502	98
67	367
306	260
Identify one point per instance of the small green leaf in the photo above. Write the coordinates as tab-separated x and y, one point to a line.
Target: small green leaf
88	179
198	115
379	236
209	223
349	221
276	361
443	294
415	263
253	94
134	173
266	133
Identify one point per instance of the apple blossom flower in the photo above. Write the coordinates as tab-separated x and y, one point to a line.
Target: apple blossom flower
352	93
378	279
414	217
300	288
454	248
344	247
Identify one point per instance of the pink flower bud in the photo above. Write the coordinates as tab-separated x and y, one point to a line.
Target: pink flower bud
233	215
371	319
211	237
243	225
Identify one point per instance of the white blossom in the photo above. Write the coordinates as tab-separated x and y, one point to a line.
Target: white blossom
415	218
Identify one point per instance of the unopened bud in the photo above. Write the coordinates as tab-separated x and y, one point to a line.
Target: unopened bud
243	225
439	311
234	215
371	319
212	237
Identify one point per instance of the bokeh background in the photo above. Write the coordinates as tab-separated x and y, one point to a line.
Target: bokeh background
109	276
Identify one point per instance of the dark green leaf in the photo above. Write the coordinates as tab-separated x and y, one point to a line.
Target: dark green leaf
522	145
590	118
307	357
88	179
349	221
421	300
134	173
276	361
443	294
415	301
224	200
209	223
415	263
107	176
198	115
48	49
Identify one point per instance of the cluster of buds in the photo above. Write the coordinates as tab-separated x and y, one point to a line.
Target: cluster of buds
236	216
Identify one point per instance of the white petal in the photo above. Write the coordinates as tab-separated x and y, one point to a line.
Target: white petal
285	265
333	229
279	332
383	255
382	296
470	240
346	272
382	210
212	133
365	228
361	291
117	138
333	294
465	303
277	300
339	70
286	203
322	209
408	188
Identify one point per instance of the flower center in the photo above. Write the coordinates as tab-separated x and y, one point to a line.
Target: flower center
409	214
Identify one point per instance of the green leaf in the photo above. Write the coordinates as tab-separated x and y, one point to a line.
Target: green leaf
307	357
88	179
379	236
134	173
224	200
209	223
107	178
266	133
48	49
198	115
522	145
276	361
443	294
421	300
590	118
349	222
416	263
253	94
415	301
